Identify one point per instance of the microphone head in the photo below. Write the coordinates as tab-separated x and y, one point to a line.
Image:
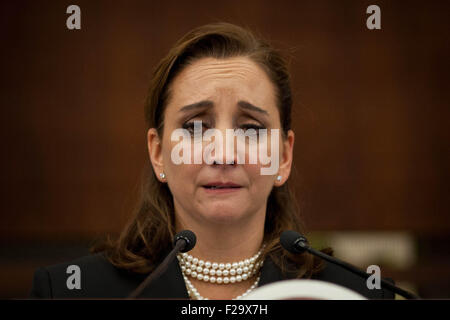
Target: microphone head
189	237
289	240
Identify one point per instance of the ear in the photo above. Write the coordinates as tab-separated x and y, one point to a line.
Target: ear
286	159
154	147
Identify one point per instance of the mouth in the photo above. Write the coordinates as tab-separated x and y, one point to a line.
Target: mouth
221	187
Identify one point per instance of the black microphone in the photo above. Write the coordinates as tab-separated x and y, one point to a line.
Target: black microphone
184	241
294	242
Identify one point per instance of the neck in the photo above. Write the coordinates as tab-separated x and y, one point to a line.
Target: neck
225	242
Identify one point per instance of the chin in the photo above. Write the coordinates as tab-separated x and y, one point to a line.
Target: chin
224	216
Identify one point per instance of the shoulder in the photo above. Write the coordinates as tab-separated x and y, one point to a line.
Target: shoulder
90	276
340	276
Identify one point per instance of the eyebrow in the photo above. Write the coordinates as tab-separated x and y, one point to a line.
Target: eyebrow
249	106
209	104
198	105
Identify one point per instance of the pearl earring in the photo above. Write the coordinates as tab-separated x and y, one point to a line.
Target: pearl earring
162	175
279	178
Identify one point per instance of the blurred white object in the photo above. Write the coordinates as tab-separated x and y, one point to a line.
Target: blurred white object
303	289
365	248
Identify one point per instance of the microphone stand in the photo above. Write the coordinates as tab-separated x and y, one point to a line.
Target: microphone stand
179	246
303	245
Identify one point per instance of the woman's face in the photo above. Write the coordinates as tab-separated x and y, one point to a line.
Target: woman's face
224	94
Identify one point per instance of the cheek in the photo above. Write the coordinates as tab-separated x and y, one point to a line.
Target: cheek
259	184
181	180
264	156
178	171
180	176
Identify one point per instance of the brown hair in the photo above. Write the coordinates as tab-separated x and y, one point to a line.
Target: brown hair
148	236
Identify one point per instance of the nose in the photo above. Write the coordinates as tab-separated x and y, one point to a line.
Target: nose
223	156
229	163
225	149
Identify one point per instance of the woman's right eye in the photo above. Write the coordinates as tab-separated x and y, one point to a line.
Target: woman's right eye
190	126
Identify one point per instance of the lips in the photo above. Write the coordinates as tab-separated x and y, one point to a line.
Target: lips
221	186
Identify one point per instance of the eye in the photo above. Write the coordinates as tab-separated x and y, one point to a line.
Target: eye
251	127
190	126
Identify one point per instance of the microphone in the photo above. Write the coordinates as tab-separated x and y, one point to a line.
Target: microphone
184	241
294	242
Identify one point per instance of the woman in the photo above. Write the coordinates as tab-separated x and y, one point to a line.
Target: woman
217	77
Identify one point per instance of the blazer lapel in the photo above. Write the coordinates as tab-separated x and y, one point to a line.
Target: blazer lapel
270	273
170	285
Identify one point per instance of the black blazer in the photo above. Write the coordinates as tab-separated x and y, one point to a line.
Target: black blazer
100	279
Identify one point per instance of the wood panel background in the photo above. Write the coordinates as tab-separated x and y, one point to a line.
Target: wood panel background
371	110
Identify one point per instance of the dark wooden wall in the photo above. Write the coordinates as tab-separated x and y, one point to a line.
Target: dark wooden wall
371	111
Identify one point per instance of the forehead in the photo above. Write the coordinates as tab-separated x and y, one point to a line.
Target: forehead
237	78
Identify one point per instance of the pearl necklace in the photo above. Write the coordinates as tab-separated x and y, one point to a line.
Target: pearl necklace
193	293
220	273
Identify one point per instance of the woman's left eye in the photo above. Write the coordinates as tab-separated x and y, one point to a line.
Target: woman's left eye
252	126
